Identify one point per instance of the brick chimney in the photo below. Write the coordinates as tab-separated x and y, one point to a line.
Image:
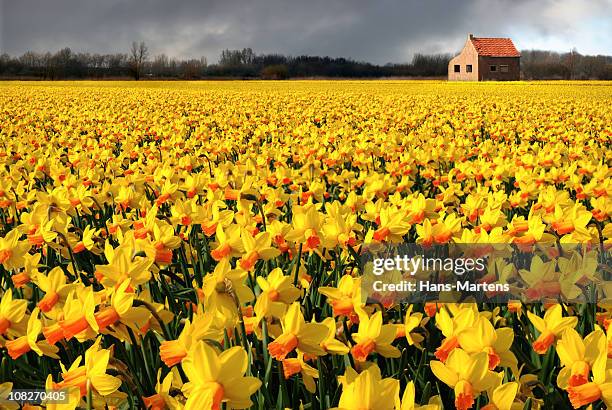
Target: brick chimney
470	36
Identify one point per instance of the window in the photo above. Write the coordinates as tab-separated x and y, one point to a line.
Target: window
468	68
493	68
457	68
503	68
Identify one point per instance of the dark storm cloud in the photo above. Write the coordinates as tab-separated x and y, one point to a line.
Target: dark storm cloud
375	30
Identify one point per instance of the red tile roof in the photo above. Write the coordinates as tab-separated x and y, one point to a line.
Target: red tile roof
495	47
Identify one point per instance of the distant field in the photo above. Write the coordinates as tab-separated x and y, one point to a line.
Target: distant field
196	244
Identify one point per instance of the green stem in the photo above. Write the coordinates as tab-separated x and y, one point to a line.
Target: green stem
89	396
297	266
245	342
321	383
266	354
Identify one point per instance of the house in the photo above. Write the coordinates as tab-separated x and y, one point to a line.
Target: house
484	59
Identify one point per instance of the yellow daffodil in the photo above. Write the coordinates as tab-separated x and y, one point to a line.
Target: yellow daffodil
368	390
297	334
12	312
578	356
550	327
12	250
372	336
599	388
502	397
56	288
467	375
345	298
217	378
483	337
277	294
92	373
292	366
451	327
256	248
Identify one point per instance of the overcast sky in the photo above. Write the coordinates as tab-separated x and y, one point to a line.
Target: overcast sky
379	31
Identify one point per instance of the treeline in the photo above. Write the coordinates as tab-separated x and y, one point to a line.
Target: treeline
245	63
550	65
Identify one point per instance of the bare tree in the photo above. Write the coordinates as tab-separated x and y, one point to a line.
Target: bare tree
160	66
570	62
138	56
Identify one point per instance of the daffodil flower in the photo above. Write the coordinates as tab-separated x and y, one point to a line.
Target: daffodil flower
392	226
12	250
452	327
277	294
599	388
368	390
372	336
411	322
92	373
467	375
578	356
345	298
256	248
550	327
123	263
293	366
79	319
162	399
502	397
12	312
202	326
229	243
56	289
330	344
216	378
483	337
297	334
121	309
224	288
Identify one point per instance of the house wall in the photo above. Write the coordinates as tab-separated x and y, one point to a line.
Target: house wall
467	56
485	73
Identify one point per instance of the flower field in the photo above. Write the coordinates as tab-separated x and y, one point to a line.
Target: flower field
197	245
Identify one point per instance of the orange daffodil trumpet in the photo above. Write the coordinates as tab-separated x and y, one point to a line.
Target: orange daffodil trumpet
29	342
297	365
